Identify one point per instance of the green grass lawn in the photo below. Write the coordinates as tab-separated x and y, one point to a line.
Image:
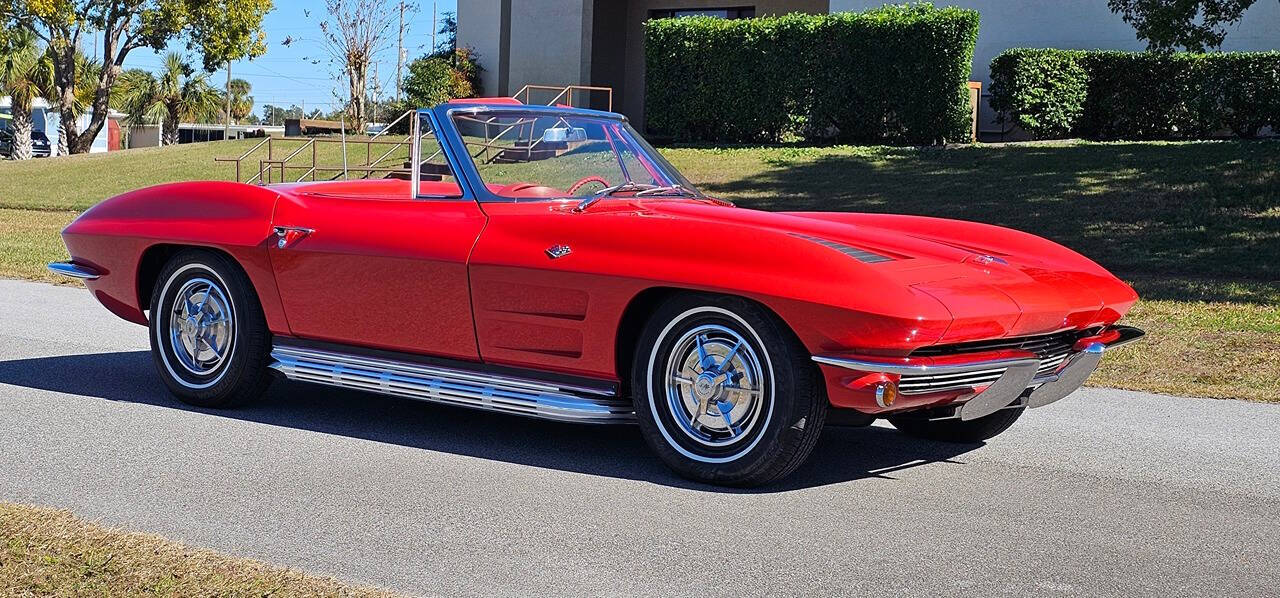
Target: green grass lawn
50	552
1194	226
77	182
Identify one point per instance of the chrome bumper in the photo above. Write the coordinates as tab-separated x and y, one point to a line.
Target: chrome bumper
1003	381
73	270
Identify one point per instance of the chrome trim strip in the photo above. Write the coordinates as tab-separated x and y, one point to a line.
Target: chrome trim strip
1128	334
73	270
493	392
882	367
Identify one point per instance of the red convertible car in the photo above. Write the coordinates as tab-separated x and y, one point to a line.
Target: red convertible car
547	261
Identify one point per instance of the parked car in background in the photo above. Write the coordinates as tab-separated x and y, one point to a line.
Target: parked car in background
547	261
40	145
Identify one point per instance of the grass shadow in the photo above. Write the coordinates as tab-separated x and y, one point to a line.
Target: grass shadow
1146	211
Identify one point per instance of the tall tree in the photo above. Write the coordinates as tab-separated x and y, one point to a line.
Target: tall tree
449	32
219	29
352	32
1194	25
177	94
27	74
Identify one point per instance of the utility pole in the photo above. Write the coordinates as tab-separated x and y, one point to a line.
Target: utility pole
226	127
376	84
434	26
400	52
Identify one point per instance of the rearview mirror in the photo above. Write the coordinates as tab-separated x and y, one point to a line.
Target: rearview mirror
563	134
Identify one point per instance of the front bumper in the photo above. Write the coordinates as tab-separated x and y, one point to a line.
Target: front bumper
989	381
74	270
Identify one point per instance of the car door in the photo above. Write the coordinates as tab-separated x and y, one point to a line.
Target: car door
367	268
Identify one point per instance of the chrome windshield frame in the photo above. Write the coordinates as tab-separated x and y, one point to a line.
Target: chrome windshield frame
462	163
450	157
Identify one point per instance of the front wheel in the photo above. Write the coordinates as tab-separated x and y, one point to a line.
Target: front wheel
724	392
209	338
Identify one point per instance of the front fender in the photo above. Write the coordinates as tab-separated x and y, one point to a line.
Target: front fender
112	237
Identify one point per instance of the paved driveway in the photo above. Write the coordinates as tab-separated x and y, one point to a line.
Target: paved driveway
1105	493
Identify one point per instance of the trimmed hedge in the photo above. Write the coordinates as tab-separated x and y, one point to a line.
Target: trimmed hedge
1136	95
894	74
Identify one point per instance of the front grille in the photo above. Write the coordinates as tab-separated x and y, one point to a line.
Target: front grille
1052	349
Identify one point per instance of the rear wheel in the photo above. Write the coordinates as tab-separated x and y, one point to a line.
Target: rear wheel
209	338
954	430
724	393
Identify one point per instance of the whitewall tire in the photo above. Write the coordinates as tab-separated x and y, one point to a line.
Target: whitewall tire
209	339
724	392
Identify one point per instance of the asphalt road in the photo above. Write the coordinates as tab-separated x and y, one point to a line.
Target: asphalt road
1104	493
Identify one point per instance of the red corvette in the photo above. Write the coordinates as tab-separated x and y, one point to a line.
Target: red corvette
547	261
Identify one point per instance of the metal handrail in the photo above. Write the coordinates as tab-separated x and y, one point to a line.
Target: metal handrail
566	91
393	123
246	155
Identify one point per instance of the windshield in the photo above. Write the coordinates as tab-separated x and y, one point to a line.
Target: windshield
534	156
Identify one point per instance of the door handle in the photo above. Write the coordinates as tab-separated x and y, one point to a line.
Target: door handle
288	235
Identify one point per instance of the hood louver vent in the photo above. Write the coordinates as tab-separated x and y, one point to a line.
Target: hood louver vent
861	255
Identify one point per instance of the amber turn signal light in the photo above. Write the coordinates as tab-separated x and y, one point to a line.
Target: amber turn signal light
886	392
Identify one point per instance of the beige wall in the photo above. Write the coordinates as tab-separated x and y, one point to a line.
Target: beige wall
144	136
479	28
1073	24
550	43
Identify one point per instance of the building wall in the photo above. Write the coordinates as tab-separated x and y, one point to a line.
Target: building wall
480	28
1073	24
145	135
550	43
578	42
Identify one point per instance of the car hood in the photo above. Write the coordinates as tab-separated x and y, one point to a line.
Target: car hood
995	281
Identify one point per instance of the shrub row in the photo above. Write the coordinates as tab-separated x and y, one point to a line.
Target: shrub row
1136	95
894	74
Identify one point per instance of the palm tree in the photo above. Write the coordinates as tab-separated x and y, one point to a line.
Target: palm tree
178	94
241	101
27	74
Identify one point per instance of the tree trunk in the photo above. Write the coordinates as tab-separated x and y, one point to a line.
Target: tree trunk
64	74
357	79
21	133
111	67
82	142
62	135
170	129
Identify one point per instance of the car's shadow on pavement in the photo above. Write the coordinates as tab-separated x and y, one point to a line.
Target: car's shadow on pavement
843	454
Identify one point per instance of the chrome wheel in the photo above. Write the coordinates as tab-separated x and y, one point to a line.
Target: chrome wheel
201	326
714	387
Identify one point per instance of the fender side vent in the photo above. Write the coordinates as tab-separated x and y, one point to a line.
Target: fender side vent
861	255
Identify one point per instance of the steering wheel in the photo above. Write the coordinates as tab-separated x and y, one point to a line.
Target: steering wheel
573	189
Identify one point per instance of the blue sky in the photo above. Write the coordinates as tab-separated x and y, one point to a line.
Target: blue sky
284	76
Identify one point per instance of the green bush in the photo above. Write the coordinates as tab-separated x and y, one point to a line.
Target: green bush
893	74
1041	91
1136	95
440	77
